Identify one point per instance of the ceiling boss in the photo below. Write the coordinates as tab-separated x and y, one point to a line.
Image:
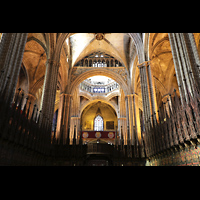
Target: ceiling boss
99	36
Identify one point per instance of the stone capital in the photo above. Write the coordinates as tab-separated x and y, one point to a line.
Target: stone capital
121	118
66	95
144	64
132	95
73	117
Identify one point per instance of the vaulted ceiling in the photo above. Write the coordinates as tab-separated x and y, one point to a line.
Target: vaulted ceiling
115	44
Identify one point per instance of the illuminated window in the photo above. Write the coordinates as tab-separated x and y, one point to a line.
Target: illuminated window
98	123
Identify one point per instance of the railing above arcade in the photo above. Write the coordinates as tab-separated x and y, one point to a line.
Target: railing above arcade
99	89
99	62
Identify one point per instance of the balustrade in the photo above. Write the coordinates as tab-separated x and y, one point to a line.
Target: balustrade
99	62
99	88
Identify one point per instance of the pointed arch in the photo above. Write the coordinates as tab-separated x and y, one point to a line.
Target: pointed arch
135	36
98	123
99	71
139	46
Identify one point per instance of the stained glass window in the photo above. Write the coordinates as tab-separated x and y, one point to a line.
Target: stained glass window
98	123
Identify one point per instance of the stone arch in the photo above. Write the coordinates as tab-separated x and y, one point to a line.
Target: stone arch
135	36
37	85
111	95
34	59
139	46
104	109
23	79
38	41
102	72
96	100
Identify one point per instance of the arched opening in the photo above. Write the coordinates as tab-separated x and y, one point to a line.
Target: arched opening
97	87
98	123
81	76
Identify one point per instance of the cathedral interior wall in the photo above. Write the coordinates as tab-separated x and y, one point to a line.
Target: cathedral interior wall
152	70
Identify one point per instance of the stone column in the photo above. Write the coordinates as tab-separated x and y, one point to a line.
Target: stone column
122	120
136	117
148	93
130	117
49	93
122	123
6	45
32	99
75	121
137	132
151	86
60	116
193	63
185	62
127	138
63	123
11	54
145	94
